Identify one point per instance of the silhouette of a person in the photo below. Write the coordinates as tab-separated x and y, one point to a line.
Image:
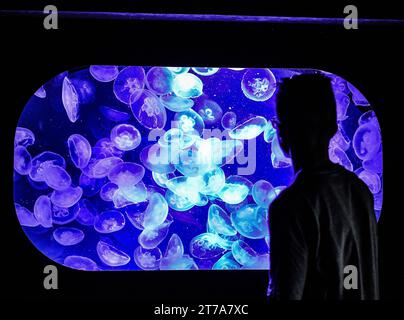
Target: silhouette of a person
324	223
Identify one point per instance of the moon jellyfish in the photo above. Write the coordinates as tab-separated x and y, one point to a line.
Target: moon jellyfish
178	70
66	198
135	215
212	182
125	137
107	191
366	141
157	158
147	259
85	212
135	193
206	71
25	217
175	248
109	221
176	104
126	174
243	253
230	150
176	202
110	255
156	212
235	190
340	140
90	186
220	221
23	137
57	178
229	120
269	132
262	193
210	111
148	110
371	179
251	221
151	238
63	215
80	263
342	102
185	187
102	167
183	263
339	156
378	200
278	158
187	85
40	93
129	81
226	262
68	236
189	122
104	73
159	80
105	148
206	246
249	129
368	116
79	150
258	84
42	161
339	84
22	160
261	262
43	211
119	200
357	97
114	114
70	100
161	178
374	164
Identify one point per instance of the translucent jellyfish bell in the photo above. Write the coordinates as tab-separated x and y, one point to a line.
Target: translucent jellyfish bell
157	158
210	111
357	97
261	193
176	104
189	122
205	71
368	116
156	212
135	193
147	259
243	253
109	221
110	255
25	217
186	188
176	202
148	109
42	161
40	93
107	191
105	148
339	156
66	198
119	200
249	129
366	141
206	246
178	70
43	211
113	114
250	221
57	177
340	140
126	174
161	178
175	247
229	120
23	137
235	190
278	158
220	221
269	132
22	160
129	81
104	73
183	263
258	84
125	137
70	100
212	182
63	215
187	85
80	263
67	236
101	168
342	102
226	262
151	238
159	80
85	212
375	164
371	179
79	150
261	262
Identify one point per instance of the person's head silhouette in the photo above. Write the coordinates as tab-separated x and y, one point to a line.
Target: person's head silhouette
307	118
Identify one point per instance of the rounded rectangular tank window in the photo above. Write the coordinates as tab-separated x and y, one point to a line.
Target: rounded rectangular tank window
167	168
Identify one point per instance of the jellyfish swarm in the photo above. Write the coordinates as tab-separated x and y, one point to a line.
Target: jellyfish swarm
258	84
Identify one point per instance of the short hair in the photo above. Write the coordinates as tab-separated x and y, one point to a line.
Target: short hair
306	107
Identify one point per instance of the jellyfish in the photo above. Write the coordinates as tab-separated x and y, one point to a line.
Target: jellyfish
135	193
193	162
63	215
104	73
161	178
261	262
43	211
262	193
219	221
80	263
230	150
183	263
101	168
68	236
339	156
135	215
226	262
206	71
79	150
185	187
366	141
368	116
176	202
206	246
235	190
126	174
249	129
40	93
236	69
57	178
258	84
378	200
176	104
107	191
269	132
105	148
25	217
125	137
187	85
175	247
340	140
147	259
85	212
157	158
66	198
42	161
229	120
22	160
211	182
156	212
109	221
250	221
148	110
119	200
159	80
85	90
130	80
115	115
375	164
210	111
342	102
23	137
189	122
110	255
371	179
70	100
151	238
339	84
90	186
243	253
278	158
357	97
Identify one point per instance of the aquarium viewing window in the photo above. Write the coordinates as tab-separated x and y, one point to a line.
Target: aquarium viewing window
167	168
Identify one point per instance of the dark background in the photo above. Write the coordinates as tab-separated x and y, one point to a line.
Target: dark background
371	58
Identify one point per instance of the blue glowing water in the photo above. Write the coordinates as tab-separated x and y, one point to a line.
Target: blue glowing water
155	168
